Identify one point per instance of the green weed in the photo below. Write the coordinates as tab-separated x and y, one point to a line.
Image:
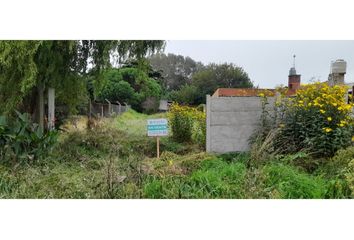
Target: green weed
286	181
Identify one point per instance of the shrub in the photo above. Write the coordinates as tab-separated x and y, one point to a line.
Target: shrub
317	119
340	172
21	139
339	161
349	177
131	85
187	94
199	135
187	124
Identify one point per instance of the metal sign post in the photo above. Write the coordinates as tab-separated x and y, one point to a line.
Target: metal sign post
158	147
157	128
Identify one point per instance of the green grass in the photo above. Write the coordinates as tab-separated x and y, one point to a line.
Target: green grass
118	160
219	178
134	123
215	179
286	181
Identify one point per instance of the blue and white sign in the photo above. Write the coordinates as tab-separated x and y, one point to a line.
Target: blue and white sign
157	127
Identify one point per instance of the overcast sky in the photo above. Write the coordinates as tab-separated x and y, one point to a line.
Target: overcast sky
268	62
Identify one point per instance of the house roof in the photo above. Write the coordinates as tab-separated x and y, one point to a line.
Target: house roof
248	92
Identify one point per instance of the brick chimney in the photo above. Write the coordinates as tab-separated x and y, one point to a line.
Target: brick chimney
294	80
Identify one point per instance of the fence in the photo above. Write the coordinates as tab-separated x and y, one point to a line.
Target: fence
107	109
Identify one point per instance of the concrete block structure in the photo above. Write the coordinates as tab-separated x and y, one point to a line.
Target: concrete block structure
233	114
231	121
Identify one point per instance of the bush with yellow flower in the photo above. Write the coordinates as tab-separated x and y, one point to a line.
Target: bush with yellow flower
318	119
187	124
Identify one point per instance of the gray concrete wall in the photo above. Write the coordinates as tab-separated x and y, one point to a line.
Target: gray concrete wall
231	121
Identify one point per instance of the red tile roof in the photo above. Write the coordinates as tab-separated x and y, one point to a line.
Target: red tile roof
247	92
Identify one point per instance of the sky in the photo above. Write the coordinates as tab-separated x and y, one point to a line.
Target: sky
268	62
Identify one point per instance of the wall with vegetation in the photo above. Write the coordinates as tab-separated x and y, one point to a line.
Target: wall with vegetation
231	121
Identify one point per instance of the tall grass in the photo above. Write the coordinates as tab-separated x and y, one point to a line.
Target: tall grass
117	160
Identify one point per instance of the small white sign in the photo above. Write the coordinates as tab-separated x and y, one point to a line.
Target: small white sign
157	127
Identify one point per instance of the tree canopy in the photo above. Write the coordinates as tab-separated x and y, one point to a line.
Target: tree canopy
176	70
27	65
129	85
208	79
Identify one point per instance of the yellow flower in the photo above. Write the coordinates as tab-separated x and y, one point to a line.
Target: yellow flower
301	101
329	119
334	104
353	139
340	108
341	125
327	130
322	111
348	107
261	95
170	162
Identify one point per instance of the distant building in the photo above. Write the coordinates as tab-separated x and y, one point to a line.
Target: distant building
164	105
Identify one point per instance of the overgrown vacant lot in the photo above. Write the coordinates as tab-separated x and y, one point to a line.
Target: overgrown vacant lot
117	160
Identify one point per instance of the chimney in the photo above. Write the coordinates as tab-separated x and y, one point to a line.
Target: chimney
294	79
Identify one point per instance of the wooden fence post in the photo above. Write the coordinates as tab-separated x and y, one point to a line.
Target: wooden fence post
51	108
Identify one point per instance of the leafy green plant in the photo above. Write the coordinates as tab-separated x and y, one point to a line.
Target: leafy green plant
317	120
187	124
340	171
23	140
349	177
130	85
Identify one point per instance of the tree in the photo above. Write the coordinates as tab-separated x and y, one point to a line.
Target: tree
131	85
176	70
28	67
216	76
187	94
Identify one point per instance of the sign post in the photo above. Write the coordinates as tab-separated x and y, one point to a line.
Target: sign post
157	128
158	147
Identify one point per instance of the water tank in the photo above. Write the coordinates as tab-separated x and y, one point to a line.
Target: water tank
339	66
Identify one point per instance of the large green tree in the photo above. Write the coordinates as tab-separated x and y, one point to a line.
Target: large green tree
131	85
215	76
176	70
28	67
